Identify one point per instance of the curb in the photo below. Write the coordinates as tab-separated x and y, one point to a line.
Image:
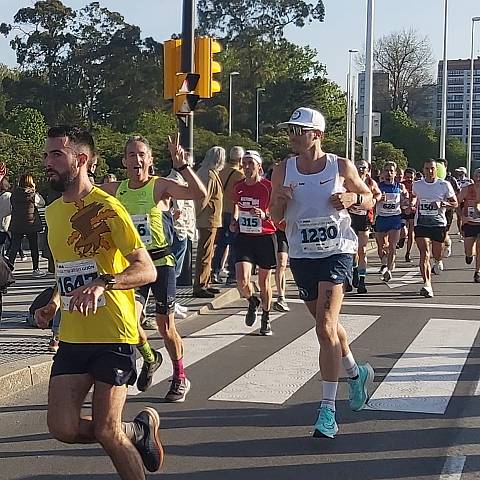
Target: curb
22	374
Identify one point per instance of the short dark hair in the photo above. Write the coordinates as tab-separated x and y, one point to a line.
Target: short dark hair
410	170
430	160
136	138
75	135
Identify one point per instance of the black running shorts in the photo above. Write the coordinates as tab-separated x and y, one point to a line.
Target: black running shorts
163	289
258	250
470	230
282	242
436	234
110	363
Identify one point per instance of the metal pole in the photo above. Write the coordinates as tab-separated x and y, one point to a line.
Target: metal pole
470	111
353	113
443	120
347	139
185	123
230	105
367	112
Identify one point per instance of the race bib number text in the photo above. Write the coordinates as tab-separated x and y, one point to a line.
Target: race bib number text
142	224
318	234
249	223
72	275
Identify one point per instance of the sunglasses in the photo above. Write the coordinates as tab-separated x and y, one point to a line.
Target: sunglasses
298	131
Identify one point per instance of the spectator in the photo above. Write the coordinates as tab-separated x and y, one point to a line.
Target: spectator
109	178
229	176
209	218
26	220
5	215
183	212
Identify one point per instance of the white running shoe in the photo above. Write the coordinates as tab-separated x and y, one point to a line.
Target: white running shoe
180	314
181	308
448	251
39	273
437	267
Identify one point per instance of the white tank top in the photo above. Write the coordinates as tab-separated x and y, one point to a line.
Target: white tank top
314	228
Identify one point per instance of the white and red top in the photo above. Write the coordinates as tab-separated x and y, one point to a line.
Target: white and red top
248	197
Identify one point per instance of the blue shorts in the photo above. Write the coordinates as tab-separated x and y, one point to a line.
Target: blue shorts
308	272
163	289
385	224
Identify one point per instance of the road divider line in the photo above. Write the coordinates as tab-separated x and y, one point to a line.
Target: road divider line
282	374
424	378
203	343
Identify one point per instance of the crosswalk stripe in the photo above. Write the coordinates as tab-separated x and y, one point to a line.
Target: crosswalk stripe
424	378
278	377
453	468
203	343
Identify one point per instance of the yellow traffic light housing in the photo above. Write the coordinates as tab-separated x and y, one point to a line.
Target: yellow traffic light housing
171	65
206	65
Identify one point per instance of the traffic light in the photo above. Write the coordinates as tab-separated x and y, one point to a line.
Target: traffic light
206	65
185	99
171	65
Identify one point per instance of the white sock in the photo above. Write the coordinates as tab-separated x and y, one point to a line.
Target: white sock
350	365
329	394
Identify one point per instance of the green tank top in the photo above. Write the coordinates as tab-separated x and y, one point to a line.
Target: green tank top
146	216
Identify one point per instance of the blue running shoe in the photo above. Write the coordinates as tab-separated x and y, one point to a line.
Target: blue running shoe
359	387
326	425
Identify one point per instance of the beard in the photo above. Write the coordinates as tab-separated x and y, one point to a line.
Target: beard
63	181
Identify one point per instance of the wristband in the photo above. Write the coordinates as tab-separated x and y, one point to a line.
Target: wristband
180	169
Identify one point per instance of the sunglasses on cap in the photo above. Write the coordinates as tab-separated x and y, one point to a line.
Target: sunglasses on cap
362	167
297	130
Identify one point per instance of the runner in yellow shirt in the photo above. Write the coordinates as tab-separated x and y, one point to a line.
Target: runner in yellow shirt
99	260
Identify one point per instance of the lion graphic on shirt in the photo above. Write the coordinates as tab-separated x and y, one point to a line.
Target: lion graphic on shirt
90	226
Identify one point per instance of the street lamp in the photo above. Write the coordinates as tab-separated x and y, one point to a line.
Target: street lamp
443	119
470	113
349	101
259	89
367	109
230	83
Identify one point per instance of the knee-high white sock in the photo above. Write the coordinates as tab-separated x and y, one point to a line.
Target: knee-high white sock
350	365
329	394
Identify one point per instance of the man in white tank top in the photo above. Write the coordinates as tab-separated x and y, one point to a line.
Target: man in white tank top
311	192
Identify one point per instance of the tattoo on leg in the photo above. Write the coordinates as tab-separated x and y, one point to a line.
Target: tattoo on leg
326	305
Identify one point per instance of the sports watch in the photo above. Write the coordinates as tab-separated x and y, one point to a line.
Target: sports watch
108	280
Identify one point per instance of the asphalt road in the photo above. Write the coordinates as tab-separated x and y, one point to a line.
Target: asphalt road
253	401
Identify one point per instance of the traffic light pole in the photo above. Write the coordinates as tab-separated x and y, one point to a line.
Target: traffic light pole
185	123
188	44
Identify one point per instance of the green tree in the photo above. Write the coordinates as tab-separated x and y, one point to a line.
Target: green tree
383	152
250	18
29	125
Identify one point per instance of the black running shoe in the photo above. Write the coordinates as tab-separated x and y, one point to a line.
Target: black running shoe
355	278
265	328
251	317
149	447
468	260
476	277
145	378
361	285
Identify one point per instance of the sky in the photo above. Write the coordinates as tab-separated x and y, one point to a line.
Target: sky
343	29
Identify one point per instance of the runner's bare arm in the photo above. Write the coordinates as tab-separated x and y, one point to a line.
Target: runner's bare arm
280	194
110	188
354	185
376	193
169	188
44	315
451	202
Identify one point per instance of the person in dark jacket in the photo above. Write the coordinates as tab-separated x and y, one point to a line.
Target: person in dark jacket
25	220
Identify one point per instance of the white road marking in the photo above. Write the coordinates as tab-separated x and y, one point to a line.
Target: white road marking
413	276
203	343
282	374
424	378
477	390
355	303
453	468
